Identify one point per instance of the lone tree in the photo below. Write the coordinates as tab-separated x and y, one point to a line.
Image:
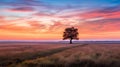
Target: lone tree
70	33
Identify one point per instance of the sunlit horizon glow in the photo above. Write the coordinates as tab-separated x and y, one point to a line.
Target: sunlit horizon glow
47	19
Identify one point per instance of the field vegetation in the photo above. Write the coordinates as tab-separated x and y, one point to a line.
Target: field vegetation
60	55
82	56
14	53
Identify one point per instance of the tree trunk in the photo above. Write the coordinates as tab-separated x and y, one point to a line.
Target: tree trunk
70	40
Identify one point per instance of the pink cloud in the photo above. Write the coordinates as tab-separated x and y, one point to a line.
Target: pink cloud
42	14
21	9
95	14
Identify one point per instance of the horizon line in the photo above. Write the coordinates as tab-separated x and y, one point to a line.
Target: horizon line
65	40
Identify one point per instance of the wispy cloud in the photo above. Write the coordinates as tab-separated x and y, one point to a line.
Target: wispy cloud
21	9
44	17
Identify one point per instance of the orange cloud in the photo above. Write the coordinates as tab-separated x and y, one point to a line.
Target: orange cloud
47	26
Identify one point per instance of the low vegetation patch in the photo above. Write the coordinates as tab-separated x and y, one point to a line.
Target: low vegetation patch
16	59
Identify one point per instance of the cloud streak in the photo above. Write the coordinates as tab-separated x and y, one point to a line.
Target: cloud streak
51	18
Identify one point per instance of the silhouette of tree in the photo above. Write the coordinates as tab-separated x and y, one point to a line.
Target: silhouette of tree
70	33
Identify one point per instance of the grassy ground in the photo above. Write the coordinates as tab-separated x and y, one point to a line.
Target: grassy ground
86	55
13	54
81	56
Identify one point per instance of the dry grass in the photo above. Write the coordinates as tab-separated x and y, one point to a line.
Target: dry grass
12	53
59	55
94	55
17	48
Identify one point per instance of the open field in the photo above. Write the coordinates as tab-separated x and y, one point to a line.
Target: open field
59	55
91	55
11	53
18	48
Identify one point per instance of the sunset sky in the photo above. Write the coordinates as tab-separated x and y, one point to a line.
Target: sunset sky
47	19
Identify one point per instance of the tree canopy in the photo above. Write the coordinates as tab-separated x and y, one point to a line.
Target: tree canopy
70	33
